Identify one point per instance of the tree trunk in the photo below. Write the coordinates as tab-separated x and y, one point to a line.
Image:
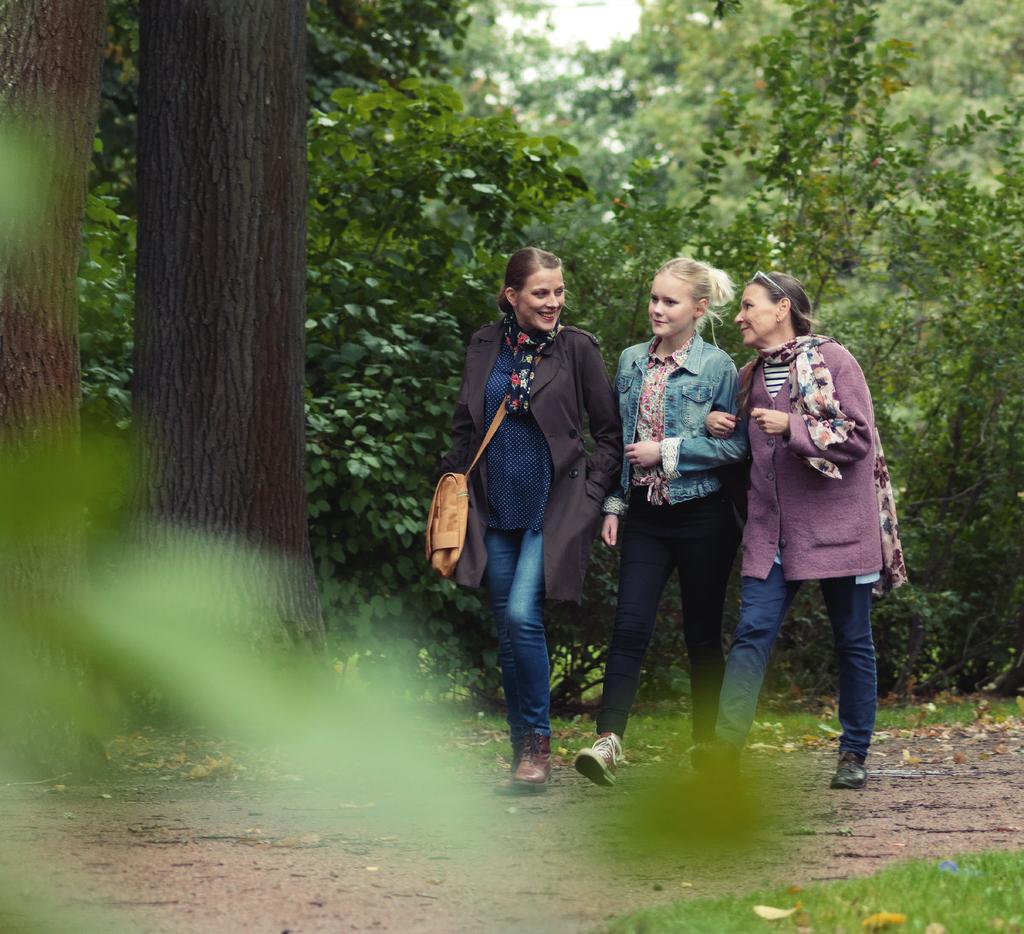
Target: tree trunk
50	56
220	289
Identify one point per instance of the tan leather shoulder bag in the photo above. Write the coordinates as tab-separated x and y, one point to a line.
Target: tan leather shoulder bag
449	511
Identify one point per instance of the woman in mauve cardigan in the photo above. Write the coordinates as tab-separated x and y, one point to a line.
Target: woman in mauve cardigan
813	513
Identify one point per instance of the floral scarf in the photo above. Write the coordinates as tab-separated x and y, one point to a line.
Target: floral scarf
812	396
525	350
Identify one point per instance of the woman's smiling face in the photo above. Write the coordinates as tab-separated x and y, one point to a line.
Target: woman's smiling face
539	302
762	322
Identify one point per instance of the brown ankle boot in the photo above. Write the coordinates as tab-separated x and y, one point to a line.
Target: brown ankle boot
534	768
507	786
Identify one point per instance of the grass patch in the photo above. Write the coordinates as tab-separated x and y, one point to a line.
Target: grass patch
983	892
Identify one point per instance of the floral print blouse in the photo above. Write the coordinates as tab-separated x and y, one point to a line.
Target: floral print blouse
650	424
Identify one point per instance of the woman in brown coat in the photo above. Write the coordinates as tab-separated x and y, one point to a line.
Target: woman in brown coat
535	497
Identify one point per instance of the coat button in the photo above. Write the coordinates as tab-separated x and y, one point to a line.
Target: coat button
574	473
774	508
771	442
782	543
771	475
573	433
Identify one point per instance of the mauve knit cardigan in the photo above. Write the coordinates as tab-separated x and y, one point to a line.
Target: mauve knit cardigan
822	527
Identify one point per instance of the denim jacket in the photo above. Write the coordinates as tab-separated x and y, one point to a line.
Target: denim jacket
689	456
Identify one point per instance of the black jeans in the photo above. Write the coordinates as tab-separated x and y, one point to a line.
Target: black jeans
698	538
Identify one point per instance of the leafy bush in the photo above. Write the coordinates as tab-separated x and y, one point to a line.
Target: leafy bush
414	206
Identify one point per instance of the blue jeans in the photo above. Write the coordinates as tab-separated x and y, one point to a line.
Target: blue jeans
762	609
515	579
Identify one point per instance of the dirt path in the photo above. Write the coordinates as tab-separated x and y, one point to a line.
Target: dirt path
168	854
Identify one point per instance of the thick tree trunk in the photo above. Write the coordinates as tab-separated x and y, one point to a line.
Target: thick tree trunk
220	300
50	57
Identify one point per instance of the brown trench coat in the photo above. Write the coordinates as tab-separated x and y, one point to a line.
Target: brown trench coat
570	382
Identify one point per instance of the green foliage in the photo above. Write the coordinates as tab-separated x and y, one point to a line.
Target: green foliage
106	283
911	263
914	267
414	205
354	43
872	150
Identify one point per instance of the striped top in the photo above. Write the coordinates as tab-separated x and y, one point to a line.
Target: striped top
775	376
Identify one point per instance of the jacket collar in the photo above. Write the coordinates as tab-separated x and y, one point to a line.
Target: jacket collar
693	359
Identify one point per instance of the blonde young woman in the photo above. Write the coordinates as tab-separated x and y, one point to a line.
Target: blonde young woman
670	512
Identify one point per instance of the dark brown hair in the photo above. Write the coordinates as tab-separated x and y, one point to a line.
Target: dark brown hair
521	265
778	285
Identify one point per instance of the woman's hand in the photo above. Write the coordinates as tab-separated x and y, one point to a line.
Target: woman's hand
720	424
771	422
610	530
644	454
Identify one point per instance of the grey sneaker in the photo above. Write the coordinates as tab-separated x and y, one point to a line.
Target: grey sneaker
850	773
598	762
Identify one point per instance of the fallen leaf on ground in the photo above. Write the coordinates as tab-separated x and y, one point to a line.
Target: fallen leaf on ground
211	768
373	868
773	914
909	759
935	928
882	920
959	758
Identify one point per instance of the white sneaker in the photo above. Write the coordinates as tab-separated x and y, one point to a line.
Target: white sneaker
598	762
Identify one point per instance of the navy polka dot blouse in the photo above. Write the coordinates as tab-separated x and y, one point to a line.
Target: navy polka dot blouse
518	460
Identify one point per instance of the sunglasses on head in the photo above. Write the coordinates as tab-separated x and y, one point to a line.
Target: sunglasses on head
769	280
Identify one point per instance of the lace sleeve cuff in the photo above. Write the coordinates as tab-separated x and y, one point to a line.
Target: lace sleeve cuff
615	506
670	457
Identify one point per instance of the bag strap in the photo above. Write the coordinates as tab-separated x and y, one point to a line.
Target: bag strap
497	420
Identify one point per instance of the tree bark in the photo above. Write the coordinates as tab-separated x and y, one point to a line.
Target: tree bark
50	57
51	52
220	289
